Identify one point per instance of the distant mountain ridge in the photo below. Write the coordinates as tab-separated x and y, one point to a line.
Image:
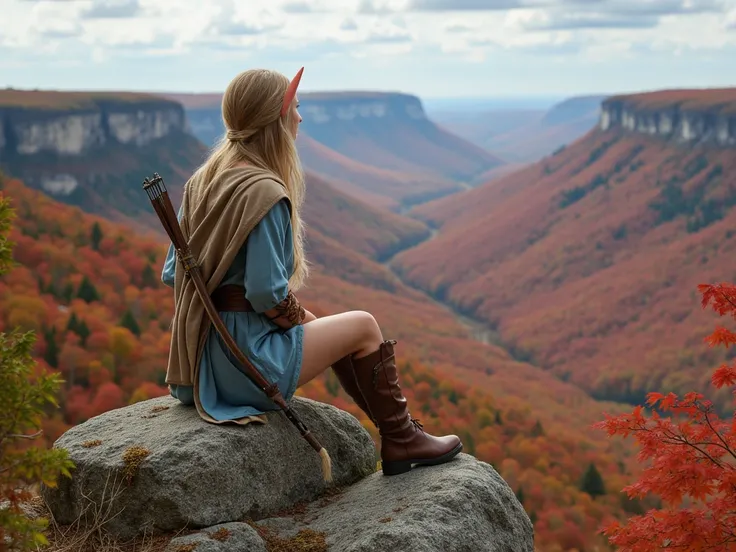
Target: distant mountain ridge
524	136
381	143
392	131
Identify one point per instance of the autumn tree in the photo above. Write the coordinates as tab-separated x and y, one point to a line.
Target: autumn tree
692	459
26	392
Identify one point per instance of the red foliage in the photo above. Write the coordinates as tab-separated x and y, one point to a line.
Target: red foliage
692	460
108	397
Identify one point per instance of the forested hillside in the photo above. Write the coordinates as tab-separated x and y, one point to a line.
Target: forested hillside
587	262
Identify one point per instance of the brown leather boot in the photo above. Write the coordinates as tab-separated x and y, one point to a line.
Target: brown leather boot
403	441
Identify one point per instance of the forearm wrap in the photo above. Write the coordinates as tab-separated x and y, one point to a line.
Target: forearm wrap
290	309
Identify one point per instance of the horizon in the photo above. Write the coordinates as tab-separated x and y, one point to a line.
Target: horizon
478	51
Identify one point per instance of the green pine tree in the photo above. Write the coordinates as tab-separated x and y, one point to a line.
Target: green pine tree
83	332
537	430
96	236
129	321
25	396
149	278
67	293
592	482
73	323
520	494
87	291
51	355
452	396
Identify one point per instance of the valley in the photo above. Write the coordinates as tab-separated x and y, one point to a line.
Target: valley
527	300
587	262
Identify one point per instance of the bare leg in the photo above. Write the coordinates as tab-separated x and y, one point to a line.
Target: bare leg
330	338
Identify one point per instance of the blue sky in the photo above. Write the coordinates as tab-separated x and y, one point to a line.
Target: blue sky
432	48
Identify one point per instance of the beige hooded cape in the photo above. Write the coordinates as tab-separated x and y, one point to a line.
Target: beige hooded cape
216	219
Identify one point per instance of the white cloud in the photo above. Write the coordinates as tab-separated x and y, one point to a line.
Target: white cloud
503	35
730	22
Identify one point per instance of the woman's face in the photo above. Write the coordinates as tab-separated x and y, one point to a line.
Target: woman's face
296	119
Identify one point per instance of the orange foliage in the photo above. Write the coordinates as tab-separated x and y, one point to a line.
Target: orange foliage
531	426
692	460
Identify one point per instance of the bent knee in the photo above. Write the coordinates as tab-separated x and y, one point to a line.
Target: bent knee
369	332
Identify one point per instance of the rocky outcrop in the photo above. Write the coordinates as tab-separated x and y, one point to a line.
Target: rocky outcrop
93	149
463	505
156	465
72	124
686	117
177	470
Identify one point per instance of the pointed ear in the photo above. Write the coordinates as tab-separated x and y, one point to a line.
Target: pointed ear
291	92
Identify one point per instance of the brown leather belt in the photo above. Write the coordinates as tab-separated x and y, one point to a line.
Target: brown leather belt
231	298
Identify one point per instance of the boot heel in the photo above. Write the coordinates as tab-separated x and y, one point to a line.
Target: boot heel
396	468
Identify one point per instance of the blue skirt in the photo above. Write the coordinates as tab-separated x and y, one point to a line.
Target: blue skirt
225	393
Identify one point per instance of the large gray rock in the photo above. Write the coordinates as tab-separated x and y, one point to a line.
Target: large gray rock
227	537
197	474
461	506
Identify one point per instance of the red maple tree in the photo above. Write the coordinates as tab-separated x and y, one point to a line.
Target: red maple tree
691	457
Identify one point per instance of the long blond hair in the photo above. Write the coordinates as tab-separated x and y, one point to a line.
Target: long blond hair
256	134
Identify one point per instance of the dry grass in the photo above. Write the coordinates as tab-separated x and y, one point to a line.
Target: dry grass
221	534
87	533
306	540
90	444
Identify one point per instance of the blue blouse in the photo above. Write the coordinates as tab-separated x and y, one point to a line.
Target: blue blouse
263	266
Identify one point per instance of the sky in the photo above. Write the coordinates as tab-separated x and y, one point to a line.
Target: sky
431	48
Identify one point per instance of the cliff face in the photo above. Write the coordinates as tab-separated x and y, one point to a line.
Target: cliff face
318	108
391	131
682	116
66	128
325	108
86	148
386	130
